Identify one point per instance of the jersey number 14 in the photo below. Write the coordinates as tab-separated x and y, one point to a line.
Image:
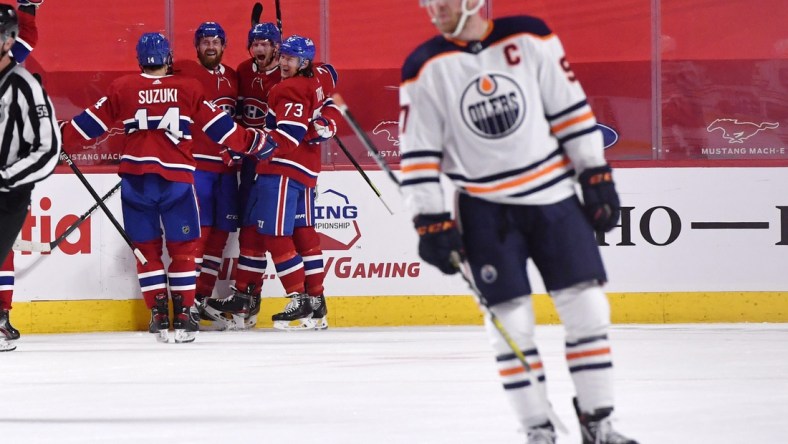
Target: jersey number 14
170	121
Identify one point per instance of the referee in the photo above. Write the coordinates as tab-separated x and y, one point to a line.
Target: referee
29	135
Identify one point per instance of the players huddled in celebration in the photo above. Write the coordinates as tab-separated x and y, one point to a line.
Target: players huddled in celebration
157	168
272	143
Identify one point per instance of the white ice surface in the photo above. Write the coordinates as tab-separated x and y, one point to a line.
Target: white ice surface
674	384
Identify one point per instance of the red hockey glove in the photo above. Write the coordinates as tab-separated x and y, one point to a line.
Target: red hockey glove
439	239
600	200
322	129
262	146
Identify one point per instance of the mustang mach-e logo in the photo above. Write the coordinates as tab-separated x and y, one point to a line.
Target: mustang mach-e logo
737	132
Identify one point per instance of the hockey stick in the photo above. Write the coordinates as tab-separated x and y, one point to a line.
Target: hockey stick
361	171
365	140
257	11
45	247
279	17
532	379
104	208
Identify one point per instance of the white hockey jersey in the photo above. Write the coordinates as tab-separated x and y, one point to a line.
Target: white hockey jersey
504	118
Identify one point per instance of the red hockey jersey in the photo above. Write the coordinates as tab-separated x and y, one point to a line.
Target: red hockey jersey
157	115
220	87
253	88
294	103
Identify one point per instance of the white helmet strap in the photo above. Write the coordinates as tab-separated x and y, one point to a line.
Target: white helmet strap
465	14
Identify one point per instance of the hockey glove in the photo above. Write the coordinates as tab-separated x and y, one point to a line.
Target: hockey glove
600	200
262	146
322	129
34	3
438	239
230	157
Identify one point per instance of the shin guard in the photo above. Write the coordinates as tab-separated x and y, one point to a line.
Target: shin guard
252	261
288	263
181	273
307	243
211	261
153	279
585	313
517	317
7	281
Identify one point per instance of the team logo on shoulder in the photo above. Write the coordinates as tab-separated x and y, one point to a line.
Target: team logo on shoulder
493	106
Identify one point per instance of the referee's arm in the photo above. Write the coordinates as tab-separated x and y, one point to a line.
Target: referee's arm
37	149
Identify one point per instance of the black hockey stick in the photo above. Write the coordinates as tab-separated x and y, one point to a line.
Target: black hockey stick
532	379
257	11
110	216
45	247
279	17
365	140
361	171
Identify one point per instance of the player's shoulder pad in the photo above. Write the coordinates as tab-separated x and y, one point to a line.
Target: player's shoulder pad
298	87
331	70
520	24
245	66
423	54
229	70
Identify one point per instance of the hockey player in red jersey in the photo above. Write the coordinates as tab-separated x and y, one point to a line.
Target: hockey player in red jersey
256	76
301	115
23	45
157	173
215	181
8	334
495	106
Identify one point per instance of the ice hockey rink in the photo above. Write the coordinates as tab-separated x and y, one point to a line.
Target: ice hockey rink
675	384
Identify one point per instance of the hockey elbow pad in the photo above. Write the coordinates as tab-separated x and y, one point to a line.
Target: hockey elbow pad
600	199
262	146
439	241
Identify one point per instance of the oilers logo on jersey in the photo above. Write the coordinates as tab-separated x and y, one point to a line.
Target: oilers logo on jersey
493	105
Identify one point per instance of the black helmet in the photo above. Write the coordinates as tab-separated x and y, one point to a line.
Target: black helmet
9	24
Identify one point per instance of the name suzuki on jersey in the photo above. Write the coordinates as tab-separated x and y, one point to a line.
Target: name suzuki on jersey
165	95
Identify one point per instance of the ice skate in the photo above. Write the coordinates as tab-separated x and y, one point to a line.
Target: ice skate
228	313
159	318
297	314
185	320
598	429
541	434
250	318
319	312
199	306
8	334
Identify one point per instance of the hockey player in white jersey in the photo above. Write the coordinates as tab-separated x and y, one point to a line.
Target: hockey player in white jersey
495	106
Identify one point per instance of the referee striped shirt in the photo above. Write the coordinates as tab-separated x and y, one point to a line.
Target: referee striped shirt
29	134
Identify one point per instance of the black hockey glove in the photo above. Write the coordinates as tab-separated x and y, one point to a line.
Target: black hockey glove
438	239
600	200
